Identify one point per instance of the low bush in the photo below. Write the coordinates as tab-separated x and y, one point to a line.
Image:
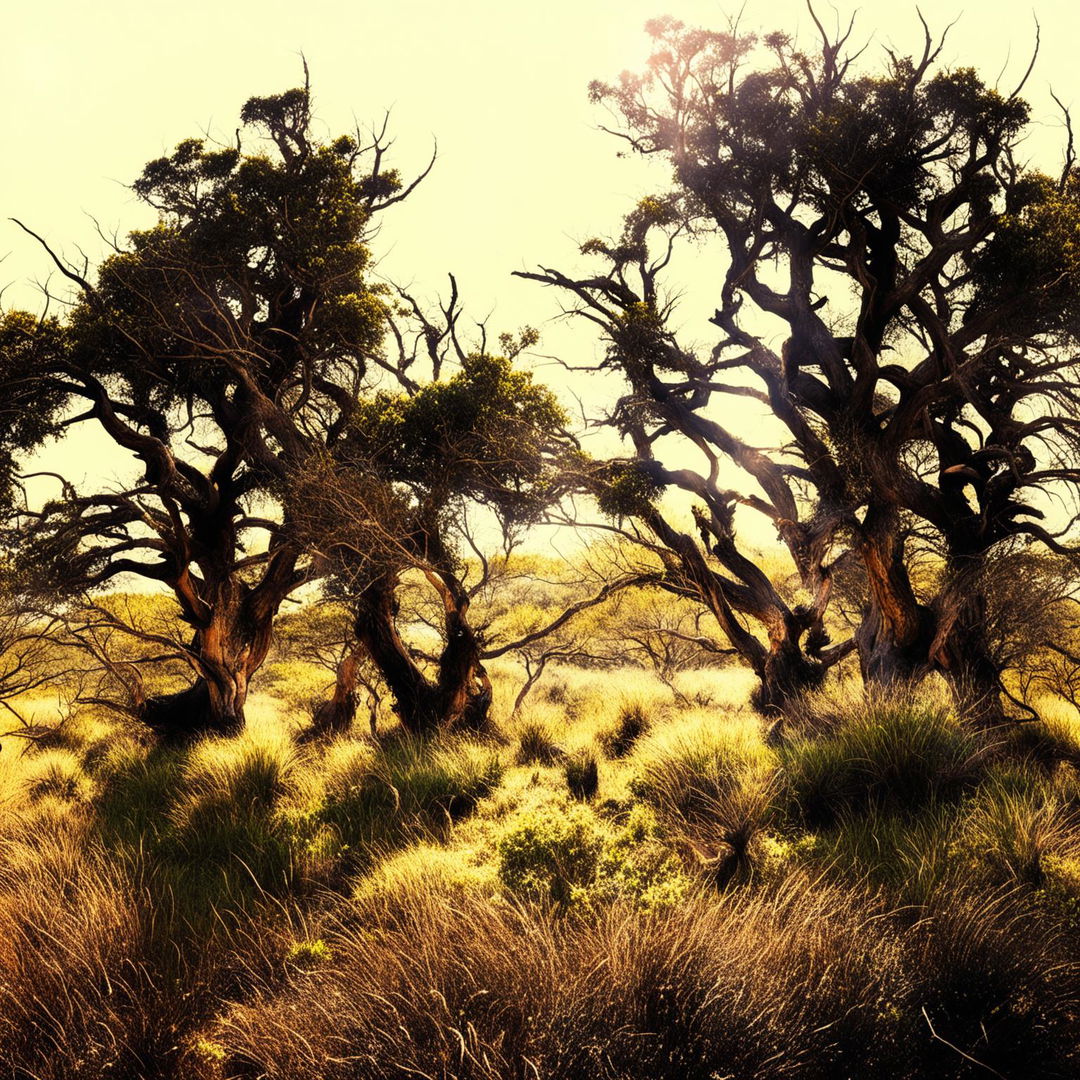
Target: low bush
885	751
550	855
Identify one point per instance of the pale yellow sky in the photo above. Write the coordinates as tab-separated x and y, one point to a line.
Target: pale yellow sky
90	91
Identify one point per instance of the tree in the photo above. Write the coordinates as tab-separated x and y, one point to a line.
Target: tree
668	397
221	349
394	502
926	282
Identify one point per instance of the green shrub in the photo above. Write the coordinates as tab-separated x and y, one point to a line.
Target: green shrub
309	954
550	854
296	683
637	864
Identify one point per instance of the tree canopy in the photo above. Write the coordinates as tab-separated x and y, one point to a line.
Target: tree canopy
926	281
221	348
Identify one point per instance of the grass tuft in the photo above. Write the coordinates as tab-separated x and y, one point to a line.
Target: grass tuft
582	775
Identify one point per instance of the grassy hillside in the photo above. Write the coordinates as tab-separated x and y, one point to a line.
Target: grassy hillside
608	886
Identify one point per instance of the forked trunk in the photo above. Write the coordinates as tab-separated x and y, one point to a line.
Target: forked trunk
896	632
785	669
461	695
901	640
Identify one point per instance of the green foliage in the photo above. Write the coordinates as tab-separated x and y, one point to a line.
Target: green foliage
625	490
1031	265
483	433
550	855
638	864
298	684
309	954
30	405
220	238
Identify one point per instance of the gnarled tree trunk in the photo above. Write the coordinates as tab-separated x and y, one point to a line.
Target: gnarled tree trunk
960	649
785	666
335	715
896	633
901	639
461	694
228	647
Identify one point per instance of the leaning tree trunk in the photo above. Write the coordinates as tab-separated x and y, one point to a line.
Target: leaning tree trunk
784	667
375	626
464	689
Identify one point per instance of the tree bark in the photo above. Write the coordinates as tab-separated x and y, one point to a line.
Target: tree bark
226	651
461	694
896	632
902	640
785	674
335	716
961	652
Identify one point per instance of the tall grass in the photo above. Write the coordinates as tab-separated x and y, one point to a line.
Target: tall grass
79	993
889	751
808	980
712	785
407	789
245	908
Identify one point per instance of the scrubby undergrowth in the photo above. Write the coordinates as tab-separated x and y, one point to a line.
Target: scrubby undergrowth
609	887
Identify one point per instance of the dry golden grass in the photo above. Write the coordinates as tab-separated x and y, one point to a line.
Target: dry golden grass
459	910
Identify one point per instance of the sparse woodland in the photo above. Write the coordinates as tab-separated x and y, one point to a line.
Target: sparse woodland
318	763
